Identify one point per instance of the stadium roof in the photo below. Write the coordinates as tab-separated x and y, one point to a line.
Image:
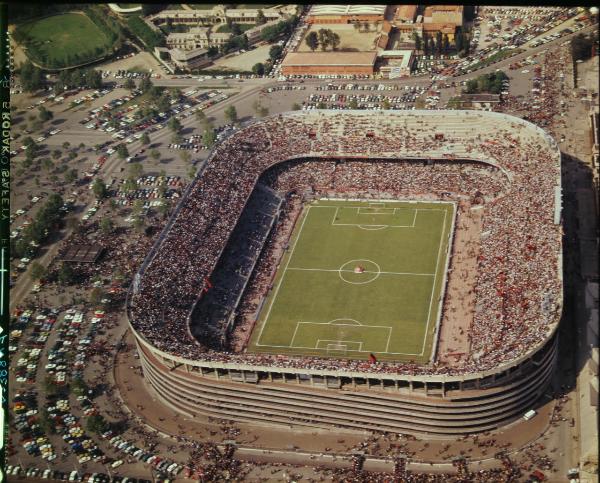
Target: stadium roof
318	10
329	58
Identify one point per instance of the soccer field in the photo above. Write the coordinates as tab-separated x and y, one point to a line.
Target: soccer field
359	278
54	41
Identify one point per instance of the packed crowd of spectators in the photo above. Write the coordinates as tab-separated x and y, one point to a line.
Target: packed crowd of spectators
518	287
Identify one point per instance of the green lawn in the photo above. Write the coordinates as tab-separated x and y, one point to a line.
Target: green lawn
359	278
62	40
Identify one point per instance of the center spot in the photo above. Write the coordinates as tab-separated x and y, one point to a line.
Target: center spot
359	271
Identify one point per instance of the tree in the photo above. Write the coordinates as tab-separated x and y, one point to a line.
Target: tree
47	164
78	386
438	42
106	225
71	175
66	275
96	295
129	84
258	68
138	206
260	17
99	188
164	207
145	139
145	84
201	117
174	125
191	172
446	44
122	151
66	145
185	156
324	38
275	52
263	111
312	41
231	114
417	41
353	104
31	77
37	271
425	45
96	424
236	29
155	155
136	170
176	138
138	224
458	39
56	154
334	40
296	107
385	104
45	114
94	79
209	137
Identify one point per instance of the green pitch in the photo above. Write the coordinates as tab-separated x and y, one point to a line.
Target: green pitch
358	278
55	41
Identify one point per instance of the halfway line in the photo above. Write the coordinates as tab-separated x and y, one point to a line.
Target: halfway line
366	271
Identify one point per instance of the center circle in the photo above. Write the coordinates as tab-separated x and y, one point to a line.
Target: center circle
360	269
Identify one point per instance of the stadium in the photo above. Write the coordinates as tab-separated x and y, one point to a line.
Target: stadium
388	271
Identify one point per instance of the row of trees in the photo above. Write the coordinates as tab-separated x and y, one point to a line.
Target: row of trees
274	54
440	44
323	38
273	32
75	78
148	36
46	219
32	77
239	42
108	24
486	83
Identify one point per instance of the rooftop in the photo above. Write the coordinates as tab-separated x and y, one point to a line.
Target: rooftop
347	10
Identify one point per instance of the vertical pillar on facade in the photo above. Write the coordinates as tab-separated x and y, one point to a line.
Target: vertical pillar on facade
270	376
381	383
426	388
353	383
410	386
298	378
187	368
243	376
460	385
396	385
312	380
283	376
368	383
217	373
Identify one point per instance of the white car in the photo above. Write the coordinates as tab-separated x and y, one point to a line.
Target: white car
116	464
